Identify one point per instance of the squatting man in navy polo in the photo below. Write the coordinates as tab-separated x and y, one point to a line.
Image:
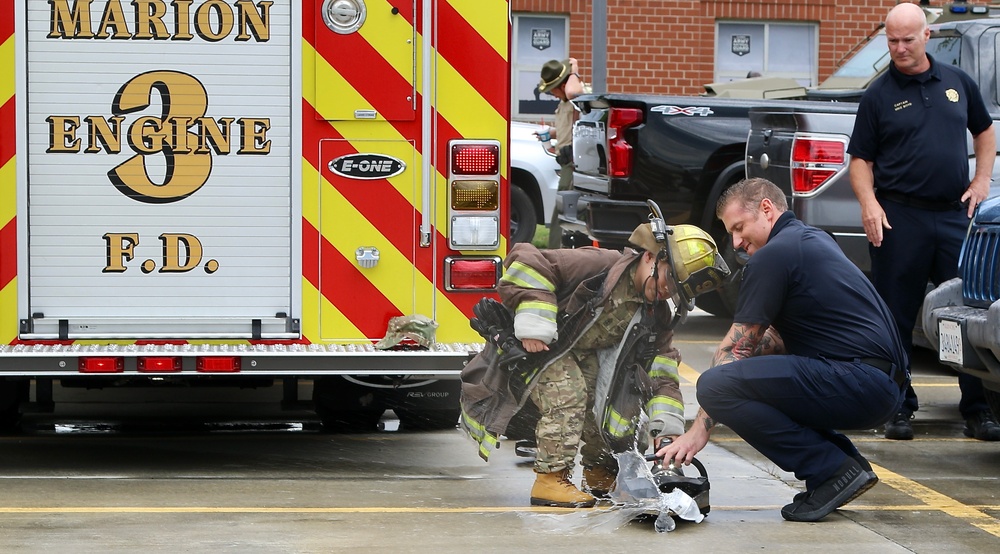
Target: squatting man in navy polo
812	348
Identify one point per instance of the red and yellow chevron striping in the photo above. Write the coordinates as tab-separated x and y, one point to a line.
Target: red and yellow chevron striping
361	92
8	199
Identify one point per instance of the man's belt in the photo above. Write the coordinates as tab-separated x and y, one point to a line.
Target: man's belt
920	203
896	373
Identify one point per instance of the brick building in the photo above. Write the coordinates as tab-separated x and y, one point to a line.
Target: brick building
677	46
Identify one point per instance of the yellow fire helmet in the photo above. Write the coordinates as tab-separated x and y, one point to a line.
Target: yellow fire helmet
696	259
693	256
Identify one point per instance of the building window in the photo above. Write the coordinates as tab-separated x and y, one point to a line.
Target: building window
770	49
537	39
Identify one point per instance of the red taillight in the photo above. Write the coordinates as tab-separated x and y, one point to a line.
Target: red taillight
158	364
815	161
620	151
217	364
807	150
808	180
475	159
102	364
471	274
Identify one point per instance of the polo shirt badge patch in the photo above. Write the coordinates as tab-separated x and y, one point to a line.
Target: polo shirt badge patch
951	94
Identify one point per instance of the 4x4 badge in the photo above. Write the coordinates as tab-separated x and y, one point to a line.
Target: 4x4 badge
683	110
367	166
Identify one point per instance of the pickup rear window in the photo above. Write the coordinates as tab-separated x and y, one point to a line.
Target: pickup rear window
873	57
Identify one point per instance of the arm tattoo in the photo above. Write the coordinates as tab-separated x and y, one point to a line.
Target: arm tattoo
771	343
743	341
709	422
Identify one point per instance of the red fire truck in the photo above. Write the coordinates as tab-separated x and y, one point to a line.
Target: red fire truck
248	192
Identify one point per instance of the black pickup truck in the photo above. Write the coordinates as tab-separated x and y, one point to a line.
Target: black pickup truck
683	151
680	151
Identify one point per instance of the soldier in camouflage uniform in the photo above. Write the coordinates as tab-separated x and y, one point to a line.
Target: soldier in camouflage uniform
546	289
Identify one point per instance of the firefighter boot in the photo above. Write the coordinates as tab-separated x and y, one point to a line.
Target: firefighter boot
555	489
598	481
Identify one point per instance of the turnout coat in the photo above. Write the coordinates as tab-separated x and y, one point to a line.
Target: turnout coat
567	287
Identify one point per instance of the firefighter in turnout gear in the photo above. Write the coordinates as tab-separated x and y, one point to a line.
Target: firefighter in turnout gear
569	332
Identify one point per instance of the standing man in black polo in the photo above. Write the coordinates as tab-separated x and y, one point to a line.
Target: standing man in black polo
910	172
811	349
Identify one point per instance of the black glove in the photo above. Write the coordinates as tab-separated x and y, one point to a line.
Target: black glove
491	318
494	323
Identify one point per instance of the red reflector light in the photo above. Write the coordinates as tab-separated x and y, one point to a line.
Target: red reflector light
102	364
818	151
158	364
620	151
217	364
623	118
476	274
808	180
475	159
620	158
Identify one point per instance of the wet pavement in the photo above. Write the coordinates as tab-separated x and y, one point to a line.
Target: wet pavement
181	471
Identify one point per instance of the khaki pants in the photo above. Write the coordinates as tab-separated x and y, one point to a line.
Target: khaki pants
555	228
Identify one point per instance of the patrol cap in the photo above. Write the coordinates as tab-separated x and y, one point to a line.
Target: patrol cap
554	72
418	328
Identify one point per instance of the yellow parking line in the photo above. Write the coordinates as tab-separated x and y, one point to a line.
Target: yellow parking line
425	510
688	373
263	510
938	501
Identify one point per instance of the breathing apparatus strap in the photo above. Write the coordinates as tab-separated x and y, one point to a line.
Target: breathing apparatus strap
661	232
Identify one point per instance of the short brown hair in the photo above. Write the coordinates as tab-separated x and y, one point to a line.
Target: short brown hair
749	193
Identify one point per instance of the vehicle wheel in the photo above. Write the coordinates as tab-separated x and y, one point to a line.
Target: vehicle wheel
722	302
428	407
993	399
12	394
345	406
523	218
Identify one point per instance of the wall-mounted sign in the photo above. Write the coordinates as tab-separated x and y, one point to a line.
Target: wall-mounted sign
541	39
741	45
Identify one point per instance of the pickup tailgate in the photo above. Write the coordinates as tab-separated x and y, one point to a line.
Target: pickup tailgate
803	149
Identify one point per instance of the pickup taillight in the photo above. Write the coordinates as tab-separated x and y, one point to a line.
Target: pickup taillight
620	151
815	160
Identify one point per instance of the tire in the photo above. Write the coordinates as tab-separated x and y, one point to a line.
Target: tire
12	394
345	406
993	399
431	406
523	218
722	302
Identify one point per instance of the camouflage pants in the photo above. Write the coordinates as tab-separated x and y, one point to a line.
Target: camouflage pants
564	395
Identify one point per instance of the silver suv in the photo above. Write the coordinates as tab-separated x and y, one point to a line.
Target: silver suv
534	179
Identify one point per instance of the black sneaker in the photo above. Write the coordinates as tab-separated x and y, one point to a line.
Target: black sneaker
849	481
872	480
899	427
983	426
